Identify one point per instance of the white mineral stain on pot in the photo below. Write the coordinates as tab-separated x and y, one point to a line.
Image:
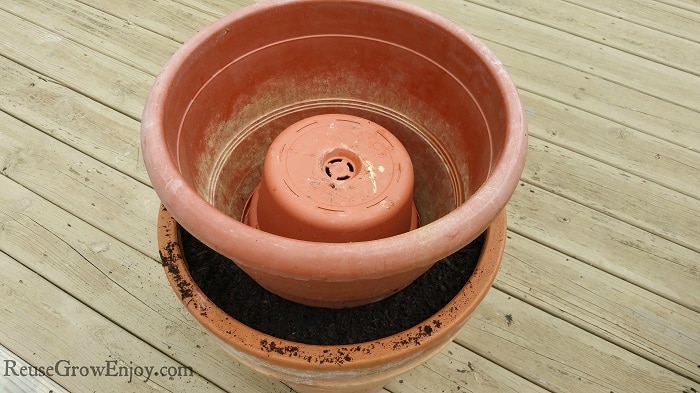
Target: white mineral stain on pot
372	175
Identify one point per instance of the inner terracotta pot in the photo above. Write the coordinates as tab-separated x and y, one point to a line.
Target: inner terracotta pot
334	178
231	90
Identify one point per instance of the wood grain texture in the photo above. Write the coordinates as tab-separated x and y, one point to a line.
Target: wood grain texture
606	30
599	289
616	193
558	356
116	281
80	184
113	37
78	337
657	329
86	71
13	381
652	14
519	31
457	369
71	118
620	249
609	142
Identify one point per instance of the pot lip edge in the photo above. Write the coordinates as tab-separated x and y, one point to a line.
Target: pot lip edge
248	340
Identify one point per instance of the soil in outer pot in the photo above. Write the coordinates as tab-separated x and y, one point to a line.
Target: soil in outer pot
239	296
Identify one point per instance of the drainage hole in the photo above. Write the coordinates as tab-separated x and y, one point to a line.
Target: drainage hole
339	169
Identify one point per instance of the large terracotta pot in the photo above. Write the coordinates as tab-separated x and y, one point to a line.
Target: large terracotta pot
233	88
353	368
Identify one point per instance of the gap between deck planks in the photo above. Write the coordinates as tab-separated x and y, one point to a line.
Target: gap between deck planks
133	45
13	367
114	280
62	329
525	29
652	14
114	83
657	329
603	29
623	133
482	21
689	5
505	331
675	122
618	194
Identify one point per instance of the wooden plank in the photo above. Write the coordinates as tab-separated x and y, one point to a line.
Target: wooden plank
14	382
606	30
164	17
582	88
652	14
84	70
114	280
632	254
596	95
579	53
457	369
79	336
99	31
605	141
616	193
557	355
80	184
216	8
688	5
635	319
72	118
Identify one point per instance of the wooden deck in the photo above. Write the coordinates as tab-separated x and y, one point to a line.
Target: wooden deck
600	285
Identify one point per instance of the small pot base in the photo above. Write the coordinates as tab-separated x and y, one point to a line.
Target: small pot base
334	178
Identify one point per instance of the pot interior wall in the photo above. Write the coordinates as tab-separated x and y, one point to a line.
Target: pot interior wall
267	70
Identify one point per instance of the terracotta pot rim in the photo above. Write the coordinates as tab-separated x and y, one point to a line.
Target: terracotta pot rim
400	347
276	254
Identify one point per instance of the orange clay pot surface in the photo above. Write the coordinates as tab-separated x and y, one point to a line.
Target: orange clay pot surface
334	178
399	73
356	368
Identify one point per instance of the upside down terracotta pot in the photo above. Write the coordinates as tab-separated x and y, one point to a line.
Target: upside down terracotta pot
354	368
334	178
227	94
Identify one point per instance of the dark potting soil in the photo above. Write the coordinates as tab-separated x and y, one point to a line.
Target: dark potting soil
242	298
